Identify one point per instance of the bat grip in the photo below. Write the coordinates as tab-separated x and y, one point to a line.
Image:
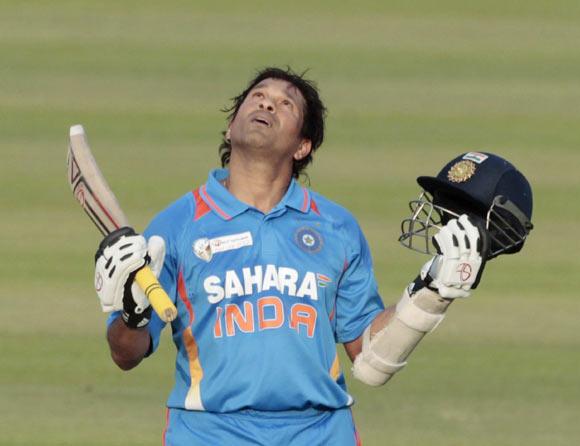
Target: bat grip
157	296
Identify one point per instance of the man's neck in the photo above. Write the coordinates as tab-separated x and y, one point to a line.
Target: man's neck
258	183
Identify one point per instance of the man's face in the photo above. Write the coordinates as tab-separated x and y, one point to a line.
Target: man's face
270	119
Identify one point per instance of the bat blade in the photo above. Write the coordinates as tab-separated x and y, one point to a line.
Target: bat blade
98	201
89	186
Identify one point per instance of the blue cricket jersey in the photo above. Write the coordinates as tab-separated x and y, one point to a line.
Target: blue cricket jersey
263	299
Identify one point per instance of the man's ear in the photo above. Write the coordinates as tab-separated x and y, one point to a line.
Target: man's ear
303	149
228	134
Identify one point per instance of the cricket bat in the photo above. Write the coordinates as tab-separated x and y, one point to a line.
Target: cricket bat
98	201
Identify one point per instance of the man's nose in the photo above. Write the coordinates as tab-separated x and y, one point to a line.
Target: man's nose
267	104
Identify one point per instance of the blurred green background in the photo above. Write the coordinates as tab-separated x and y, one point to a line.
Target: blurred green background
408	86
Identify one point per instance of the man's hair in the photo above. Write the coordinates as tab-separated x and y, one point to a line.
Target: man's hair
313	116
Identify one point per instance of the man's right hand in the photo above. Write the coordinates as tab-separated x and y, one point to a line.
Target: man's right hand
119	256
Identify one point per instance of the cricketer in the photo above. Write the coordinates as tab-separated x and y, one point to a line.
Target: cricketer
269	276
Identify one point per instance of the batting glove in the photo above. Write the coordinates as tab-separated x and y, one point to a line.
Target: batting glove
136	307
457	268
119	256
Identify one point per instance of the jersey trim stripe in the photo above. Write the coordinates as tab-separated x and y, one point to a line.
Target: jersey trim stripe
193	398
164	435
357	439
212	204
201	207
313	206
182	291
332	313
305	202
335	368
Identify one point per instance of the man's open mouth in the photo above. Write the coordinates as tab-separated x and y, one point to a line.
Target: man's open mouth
262	121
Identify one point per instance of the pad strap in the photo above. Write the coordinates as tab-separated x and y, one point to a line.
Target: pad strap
374	360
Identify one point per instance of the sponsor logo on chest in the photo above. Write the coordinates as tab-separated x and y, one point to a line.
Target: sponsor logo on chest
205	248
261	278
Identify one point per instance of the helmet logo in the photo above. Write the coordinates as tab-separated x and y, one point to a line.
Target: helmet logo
461	171
464	270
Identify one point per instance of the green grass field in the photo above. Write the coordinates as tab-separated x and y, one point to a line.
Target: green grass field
407	87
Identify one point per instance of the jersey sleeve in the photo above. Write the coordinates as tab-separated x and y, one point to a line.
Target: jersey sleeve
358	301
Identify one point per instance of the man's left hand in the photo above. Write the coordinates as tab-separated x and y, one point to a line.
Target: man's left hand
456	270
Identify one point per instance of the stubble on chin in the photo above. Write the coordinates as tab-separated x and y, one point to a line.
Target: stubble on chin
253	140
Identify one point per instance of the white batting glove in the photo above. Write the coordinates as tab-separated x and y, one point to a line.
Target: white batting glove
156	251
456	269
120	255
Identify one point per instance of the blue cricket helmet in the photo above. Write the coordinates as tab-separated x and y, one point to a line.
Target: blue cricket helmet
486	187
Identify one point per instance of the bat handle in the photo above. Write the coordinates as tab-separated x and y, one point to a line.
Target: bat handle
157	296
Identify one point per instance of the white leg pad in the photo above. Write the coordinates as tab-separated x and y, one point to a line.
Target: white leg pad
385	353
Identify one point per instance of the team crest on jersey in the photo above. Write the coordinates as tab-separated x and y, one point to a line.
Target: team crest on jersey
308	239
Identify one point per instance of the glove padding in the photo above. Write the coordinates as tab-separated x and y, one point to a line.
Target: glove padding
119	256
457	269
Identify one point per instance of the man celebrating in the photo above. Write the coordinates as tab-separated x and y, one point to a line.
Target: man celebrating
268	277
